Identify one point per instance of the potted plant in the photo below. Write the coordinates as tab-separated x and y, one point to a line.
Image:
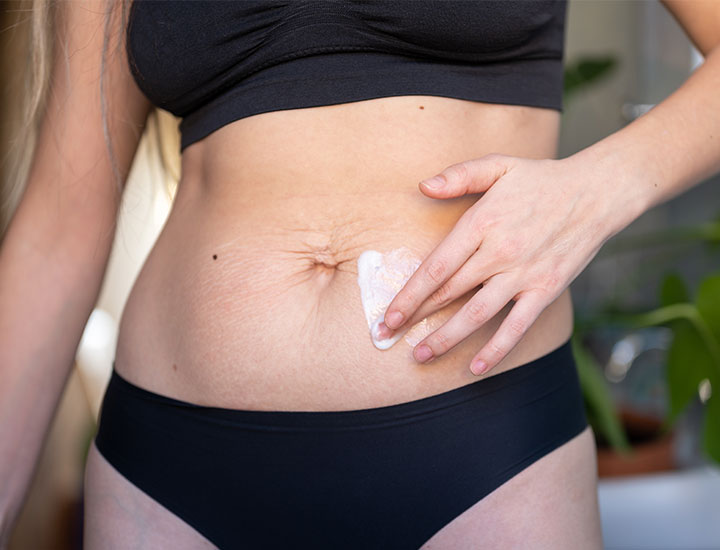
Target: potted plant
628	442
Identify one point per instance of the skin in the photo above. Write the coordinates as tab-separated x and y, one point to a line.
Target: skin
287	201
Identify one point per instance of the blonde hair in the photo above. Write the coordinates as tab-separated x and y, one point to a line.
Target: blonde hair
160	136
16	160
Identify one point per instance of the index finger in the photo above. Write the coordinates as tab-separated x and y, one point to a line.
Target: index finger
445	259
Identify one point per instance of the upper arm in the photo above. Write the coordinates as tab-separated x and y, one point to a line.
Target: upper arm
71	185
700	19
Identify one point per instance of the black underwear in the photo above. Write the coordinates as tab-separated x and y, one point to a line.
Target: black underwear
386	477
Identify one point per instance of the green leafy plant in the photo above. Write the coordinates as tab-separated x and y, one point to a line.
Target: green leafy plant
586	71
599	407
693	358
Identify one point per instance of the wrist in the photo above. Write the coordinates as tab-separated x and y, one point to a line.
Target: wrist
616	187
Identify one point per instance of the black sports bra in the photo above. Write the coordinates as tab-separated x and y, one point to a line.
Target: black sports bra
214	62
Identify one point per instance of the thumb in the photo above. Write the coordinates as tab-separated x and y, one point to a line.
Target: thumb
471	176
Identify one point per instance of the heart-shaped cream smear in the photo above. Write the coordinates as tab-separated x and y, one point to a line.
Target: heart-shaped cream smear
380	277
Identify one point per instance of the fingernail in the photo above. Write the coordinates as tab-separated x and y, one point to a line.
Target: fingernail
383	331
433	183
478	367
423	353
394	320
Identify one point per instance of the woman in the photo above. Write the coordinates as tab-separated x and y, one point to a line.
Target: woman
266	393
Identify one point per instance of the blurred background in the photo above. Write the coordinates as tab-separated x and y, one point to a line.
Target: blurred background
645	307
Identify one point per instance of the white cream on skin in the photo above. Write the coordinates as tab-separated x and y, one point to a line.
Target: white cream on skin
381	276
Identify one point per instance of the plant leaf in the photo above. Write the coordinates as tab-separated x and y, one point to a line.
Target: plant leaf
708	302
688	363
673	290
585	71
597	397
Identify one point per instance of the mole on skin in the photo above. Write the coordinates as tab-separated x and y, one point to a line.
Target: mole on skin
214	256
422	107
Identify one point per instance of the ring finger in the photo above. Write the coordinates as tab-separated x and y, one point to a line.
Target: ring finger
483	306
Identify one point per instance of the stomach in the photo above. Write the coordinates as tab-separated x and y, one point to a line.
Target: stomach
249	298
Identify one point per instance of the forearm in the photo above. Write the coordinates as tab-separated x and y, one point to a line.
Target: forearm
671	148
46	296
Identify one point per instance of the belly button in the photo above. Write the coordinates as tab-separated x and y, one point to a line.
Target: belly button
325	267
323	263
323	271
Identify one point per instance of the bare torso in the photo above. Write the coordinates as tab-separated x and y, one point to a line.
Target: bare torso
250	298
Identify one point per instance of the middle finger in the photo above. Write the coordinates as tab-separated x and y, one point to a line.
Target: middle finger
438	267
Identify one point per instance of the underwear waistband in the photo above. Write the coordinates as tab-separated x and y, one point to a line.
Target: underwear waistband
539	377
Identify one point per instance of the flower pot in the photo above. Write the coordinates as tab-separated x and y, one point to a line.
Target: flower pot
652	450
